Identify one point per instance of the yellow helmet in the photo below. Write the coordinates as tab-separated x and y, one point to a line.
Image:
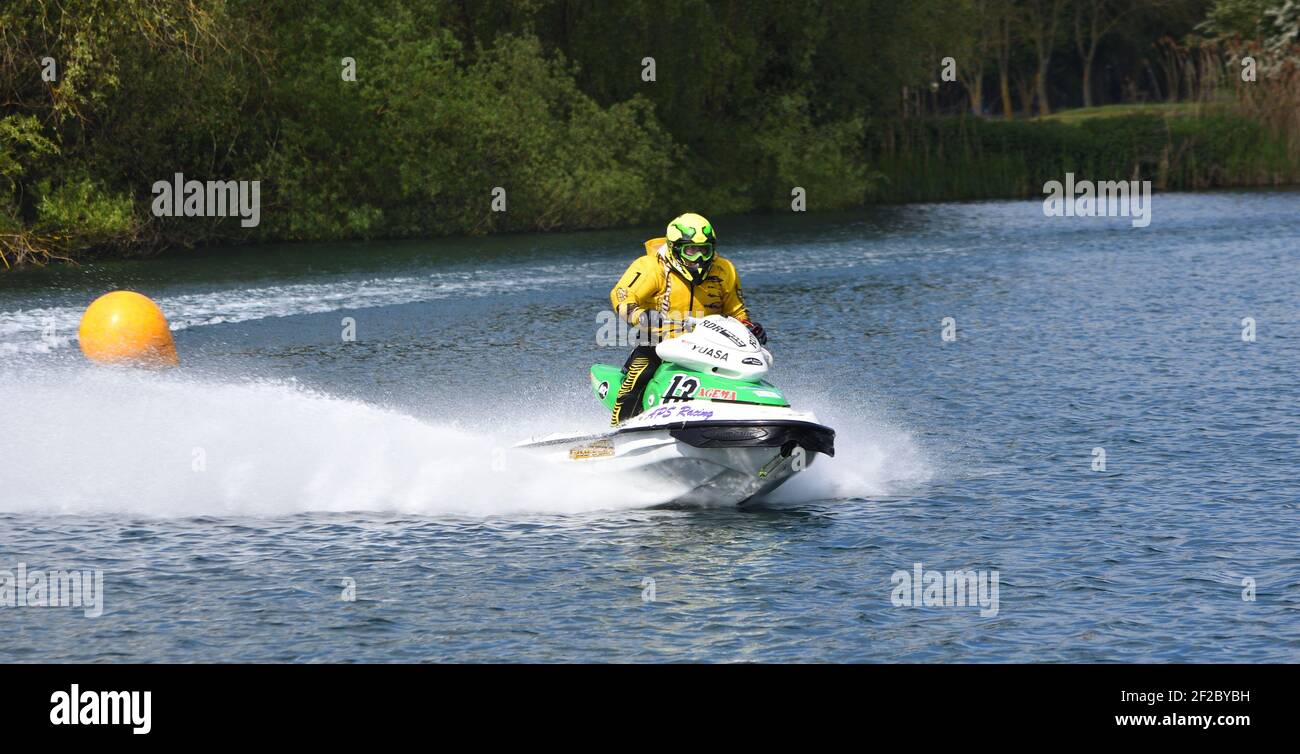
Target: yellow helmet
692	246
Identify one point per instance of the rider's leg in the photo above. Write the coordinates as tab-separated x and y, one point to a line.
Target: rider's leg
638	371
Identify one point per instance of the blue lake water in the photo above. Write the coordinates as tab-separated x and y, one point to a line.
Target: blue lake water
228	503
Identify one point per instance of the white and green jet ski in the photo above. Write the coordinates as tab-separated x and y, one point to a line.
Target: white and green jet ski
710	423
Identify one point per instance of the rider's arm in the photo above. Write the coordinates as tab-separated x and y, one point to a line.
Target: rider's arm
637	289
733	302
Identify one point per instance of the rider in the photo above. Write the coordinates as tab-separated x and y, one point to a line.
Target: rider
679	276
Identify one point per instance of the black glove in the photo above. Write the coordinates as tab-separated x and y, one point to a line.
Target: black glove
758	331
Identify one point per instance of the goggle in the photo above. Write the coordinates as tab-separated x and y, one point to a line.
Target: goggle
696	252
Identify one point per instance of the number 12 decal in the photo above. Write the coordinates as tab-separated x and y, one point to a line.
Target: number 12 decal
681	388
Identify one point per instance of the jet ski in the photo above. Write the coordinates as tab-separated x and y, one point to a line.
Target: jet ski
710	424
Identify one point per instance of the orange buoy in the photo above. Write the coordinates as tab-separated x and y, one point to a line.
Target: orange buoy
126	327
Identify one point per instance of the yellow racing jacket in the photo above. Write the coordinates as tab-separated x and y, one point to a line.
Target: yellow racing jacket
650	283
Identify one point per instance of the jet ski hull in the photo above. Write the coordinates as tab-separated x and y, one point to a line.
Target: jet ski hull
710	462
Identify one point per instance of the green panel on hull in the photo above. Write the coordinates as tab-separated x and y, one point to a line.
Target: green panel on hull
684	384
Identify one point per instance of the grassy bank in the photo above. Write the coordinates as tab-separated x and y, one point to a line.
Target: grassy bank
1175	147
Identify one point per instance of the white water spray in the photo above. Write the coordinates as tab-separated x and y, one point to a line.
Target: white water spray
78	441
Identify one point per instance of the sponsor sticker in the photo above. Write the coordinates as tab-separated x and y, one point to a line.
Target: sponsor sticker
716	353
724	332
598	449
717	394
694	413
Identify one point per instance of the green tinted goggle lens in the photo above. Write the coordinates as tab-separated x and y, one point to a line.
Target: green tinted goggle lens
696	253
